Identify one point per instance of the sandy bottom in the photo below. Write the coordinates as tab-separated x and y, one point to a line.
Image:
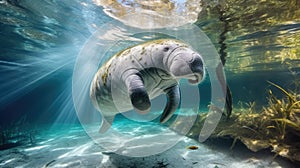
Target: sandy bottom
72	147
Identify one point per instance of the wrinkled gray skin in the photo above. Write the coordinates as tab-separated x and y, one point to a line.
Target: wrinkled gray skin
133	77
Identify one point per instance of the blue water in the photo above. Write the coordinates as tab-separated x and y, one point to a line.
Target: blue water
37	59
40	42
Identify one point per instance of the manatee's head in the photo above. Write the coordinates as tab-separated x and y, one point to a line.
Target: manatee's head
183	62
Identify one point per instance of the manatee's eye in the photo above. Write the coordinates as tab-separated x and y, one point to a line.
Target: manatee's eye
166	49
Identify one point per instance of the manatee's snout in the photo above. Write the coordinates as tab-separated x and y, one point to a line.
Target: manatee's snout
197	69
188	65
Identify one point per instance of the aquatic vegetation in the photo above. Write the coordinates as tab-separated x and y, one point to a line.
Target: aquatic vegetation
276	126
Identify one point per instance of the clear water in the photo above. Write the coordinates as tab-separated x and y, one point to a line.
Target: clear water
40	42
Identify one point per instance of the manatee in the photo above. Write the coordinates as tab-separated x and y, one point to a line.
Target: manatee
134	76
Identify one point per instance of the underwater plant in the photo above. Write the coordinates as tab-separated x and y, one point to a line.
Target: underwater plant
275	126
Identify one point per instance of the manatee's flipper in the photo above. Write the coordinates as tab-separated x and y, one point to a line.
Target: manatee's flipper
138	94
106	123
173	100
